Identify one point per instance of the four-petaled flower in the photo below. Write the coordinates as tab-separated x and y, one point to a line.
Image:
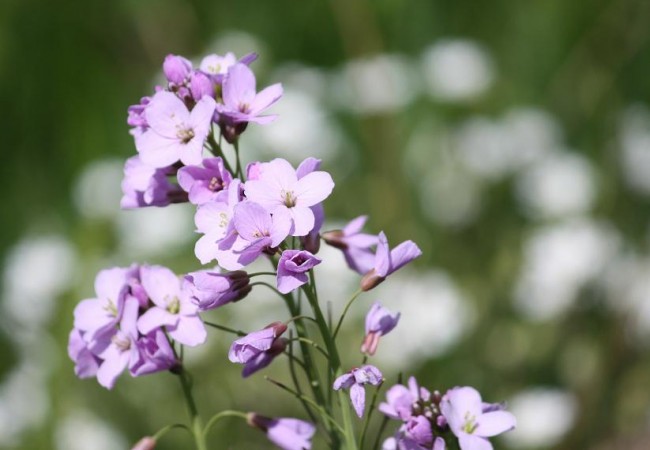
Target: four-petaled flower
355	380
292	269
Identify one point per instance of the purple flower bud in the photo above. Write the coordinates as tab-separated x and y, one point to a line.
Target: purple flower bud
286	433
176	69
246	348
263	359
146	443
210	290
419	429
379	321
292	269
200	85
388	261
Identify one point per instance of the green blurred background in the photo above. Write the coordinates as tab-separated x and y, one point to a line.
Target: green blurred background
509	139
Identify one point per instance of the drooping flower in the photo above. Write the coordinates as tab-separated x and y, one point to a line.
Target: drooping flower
379	321
356	246
388	261
462	407
210	289
144	185
258	349
174	132
355	380
292	269
172	308
279	190
203	184
286	433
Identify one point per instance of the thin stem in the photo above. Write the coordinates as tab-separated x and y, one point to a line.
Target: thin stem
219	152
240	174
308	400
368	417
217	417
345	311
195	419
294	378
164	430
257	274
382	427
224	328
313	344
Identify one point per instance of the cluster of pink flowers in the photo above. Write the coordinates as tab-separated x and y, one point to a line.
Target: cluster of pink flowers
428	417
142	315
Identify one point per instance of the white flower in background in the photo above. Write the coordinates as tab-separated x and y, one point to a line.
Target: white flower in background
302	129
635	143
380	84
420	336
559	260
457	70
81	430
544	416
560	185
36	271
97	191
533	132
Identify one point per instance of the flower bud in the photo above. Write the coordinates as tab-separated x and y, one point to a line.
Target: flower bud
335	239
371	280
176	69
146	443
200	85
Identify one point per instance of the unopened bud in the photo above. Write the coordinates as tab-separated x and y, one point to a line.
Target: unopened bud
334	238
146	443
201	85
176	69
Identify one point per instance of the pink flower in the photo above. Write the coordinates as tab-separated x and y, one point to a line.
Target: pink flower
355	380
356	246
286	433
379	321
292	269
388	261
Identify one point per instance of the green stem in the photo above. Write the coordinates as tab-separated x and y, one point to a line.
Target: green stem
240	174
313	344
335	362
294	378
164	430
217	417
366	421
217	151
195	419
256	274
345	311
224	328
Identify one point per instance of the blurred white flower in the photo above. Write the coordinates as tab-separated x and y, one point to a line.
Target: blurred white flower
457	70
81	430
544	416
97	191
635	143
560	185
558	261
432	321
24	401
156	231
36	271
380	84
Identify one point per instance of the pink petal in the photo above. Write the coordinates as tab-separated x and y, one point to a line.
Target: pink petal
201	117
382	257
157	151
358	398
212	218
165	113
251	220
206	248
191	154
355	225
303	220
313	188
189	331
493	423
309	165
161	284
403	254
154	318
238	86
472	442
263	193
265	98
111	369
109	283
282	220
280	174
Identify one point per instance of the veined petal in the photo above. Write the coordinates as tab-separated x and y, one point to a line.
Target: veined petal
403	254
358	398
161	284
303	220
189	331
382	257
263	193
156	150
280	174
238	86
154	318
252	221
472	442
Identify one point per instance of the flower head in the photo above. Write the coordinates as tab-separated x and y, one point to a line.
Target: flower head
282	193
292	269
355	380
379	321
203	184
174	132
463	409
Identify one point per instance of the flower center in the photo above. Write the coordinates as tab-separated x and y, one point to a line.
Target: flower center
185	135
470	423
123	343
174	306
223	220
244	108
110	308
215	184
289	198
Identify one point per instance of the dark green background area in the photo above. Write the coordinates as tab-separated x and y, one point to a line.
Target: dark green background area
69	70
